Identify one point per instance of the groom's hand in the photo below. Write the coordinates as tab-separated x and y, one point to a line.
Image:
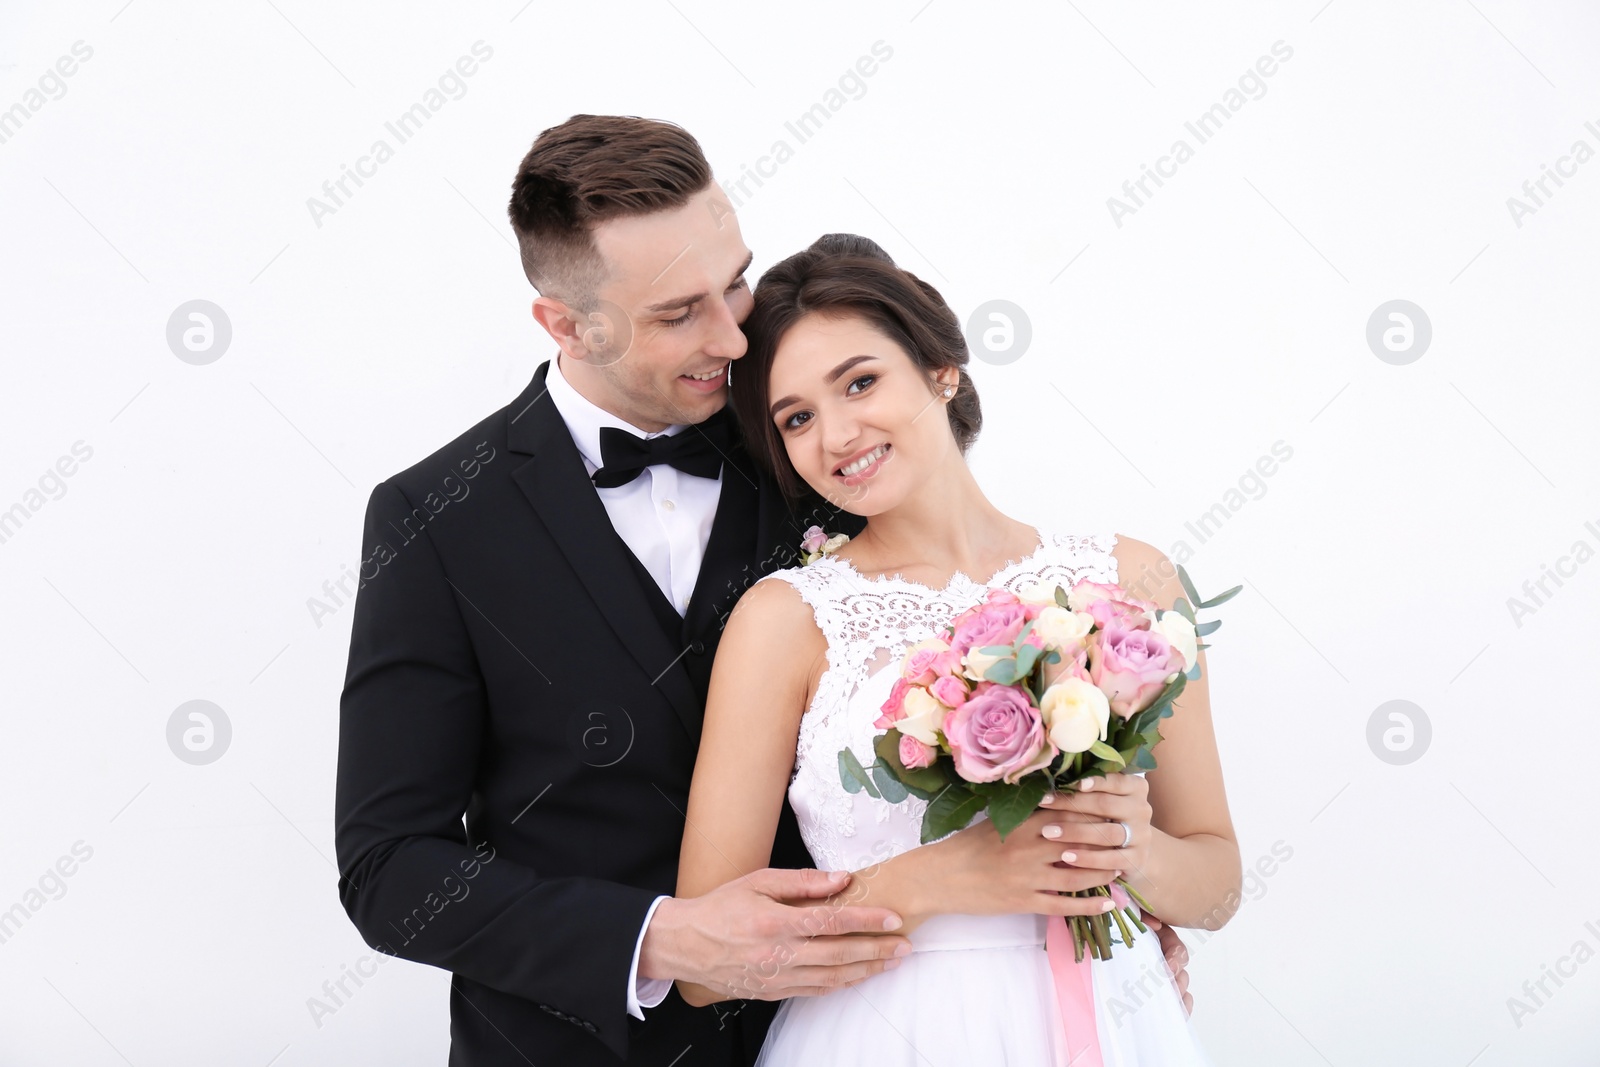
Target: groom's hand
741	939
1177	954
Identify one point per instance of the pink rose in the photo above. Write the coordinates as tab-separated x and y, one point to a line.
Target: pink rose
914	754
1131	666
988	624
1108	604
894	707
950	691
923	661
997	734
813	540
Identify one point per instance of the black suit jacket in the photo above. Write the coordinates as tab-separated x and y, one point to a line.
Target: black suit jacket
517	732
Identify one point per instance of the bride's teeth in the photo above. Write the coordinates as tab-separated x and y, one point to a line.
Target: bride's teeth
864	462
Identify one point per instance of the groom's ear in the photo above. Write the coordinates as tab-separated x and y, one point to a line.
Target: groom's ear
563	324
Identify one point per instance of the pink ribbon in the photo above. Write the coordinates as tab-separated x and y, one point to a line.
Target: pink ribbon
1074	982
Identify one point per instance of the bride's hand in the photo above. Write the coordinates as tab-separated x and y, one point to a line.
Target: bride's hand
1108	800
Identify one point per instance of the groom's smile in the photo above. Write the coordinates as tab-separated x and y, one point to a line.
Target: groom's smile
679	276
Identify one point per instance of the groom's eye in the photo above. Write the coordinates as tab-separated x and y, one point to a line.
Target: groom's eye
681	319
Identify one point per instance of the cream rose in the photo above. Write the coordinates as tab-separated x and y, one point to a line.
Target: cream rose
1180	634
924	716
1038	593
1076	714
978	662
1062	628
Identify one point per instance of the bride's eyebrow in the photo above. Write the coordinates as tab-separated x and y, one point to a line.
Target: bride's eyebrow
831	377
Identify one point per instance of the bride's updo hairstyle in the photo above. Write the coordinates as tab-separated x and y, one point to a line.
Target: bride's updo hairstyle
842	275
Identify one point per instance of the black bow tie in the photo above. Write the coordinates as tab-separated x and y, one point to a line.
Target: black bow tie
697	449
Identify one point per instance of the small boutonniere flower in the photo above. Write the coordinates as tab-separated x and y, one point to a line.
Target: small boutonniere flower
816	544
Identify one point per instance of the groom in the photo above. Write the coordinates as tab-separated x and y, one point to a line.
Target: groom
532	643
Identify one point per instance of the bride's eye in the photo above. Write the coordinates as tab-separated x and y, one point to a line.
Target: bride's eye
868	378
788	424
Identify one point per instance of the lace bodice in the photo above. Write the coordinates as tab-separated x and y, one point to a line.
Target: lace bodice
869	623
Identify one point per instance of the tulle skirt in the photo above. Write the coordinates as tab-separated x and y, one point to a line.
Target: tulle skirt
978	990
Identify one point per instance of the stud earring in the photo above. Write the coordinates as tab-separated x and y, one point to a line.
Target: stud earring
949	391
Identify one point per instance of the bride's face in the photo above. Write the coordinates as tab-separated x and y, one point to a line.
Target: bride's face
864	426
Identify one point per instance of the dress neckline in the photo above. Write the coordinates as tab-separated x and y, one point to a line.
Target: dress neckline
957	577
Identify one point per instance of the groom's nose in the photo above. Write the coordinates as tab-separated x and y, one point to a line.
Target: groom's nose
724	338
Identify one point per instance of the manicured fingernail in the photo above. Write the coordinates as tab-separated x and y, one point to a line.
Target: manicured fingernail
1116	874
1052	831
1048	798
903	950
1086	785
1107	905
892	923
1069	857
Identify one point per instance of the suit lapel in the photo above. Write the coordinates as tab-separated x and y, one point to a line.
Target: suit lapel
564	500
732	549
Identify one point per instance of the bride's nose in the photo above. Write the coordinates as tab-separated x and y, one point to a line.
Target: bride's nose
841	434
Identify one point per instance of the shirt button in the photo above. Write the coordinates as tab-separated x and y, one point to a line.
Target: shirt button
668	505
698	648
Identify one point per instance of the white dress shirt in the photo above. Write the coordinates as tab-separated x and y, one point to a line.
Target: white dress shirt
665	517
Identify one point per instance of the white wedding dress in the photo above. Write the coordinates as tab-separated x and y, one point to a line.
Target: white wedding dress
975	989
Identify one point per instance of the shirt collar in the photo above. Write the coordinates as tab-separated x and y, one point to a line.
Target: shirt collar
585	418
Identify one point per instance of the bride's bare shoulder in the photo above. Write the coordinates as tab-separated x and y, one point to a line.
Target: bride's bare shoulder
1145	571
773	611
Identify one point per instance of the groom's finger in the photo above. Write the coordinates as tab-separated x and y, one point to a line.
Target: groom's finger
780	882
828	920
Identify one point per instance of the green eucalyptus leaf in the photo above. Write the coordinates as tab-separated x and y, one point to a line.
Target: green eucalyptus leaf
852	775
1003	671
1188	586
893	790
1222	598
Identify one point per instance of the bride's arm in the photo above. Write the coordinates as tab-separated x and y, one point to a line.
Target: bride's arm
760	681
1185	858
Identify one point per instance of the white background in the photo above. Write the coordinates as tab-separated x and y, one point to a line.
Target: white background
1168	354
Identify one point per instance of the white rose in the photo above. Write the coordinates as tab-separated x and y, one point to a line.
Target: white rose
832	544
1076	713
1038	593
1064	629
1179	633
924	716
978	662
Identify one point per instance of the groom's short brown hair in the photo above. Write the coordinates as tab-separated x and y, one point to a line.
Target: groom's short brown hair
589	170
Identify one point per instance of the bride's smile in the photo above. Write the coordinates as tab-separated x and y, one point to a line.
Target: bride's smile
850	412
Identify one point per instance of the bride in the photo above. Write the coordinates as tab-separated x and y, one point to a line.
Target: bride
852	362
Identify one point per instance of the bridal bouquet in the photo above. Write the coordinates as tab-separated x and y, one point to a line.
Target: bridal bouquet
1030	694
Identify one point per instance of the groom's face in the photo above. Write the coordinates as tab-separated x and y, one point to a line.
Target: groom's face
676	281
